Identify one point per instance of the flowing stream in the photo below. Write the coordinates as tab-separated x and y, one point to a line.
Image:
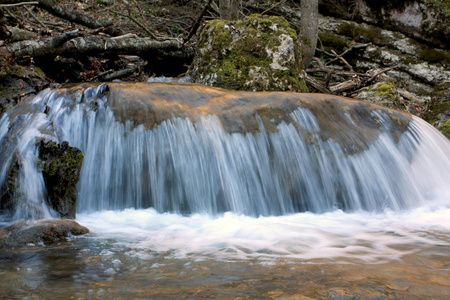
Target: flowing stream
188	208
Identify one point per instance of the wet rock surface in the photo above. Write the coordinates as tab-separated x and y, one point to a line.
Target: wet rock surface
9	189
18	83
61	170
151	104
43	231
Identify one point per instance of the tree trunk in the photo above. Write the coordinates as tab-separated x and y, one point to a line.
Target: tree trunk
309	30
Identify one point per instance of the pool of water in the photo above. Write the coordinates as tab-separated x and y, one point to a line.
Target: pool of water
142	254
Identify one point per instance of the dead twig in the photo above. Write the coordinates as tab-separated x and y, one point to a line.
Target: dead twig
343	60
101	74
119	74
381	72
138	24
272	7
34	17
19	4
197	22
358	82
20	22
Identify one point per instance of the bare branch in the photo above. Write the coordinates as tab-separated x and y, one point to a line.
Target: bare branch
19	4
197	22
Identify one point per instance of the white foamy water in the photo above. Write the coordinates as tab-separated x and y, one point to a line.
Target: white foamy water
337	236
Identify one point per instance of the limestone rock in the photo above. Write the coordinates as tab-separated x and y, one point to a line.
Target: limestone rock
256	54
425	20
419	67
61	171
46	231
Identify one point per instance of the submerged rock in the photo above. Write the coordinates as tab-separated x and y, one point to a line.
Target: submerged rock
61	170
45	231
256	54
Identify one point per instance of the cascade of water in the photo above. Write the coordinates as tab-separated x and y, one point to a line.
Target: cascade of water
18	142
189	167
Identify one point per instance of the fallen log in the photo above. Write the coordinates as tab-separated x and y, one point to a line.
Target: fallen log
69	43
45	46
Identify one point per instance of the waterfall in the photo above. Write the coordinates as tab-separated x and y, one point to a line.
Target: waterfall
189	164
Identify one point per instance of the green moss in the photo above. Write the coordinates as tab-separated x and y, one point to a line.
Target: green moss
240	49
333	41
445	128
39	72
388	90
385	89
441	90
363	33
369	33
441	6
433	55
61	171
439	104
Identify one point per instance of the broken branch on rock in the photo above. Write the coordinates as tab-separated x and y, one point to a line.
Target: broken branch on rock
382	72
317	85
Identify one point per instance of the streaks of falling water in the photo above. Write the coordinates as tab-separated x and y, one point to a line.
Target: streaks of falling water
190	167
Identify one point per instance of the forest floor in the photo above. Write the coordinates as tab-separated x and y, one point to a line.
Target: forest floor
153	20
157	20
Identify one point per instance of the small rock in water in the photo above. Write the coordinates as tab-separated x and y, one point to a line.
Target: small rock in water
116	263
110	271
106	252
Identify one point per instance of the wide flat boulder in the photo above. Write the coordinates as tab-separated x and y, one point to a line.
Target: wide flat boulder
351	123
42	231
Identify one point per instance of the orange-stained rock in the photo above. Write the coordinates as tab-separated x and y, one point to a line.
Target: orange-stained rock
351	123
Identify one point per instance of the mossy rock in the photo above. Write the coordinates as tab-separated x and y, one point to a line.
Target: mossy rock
17	81
438	112
258	53
61	166
372	34
10	192
383	93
